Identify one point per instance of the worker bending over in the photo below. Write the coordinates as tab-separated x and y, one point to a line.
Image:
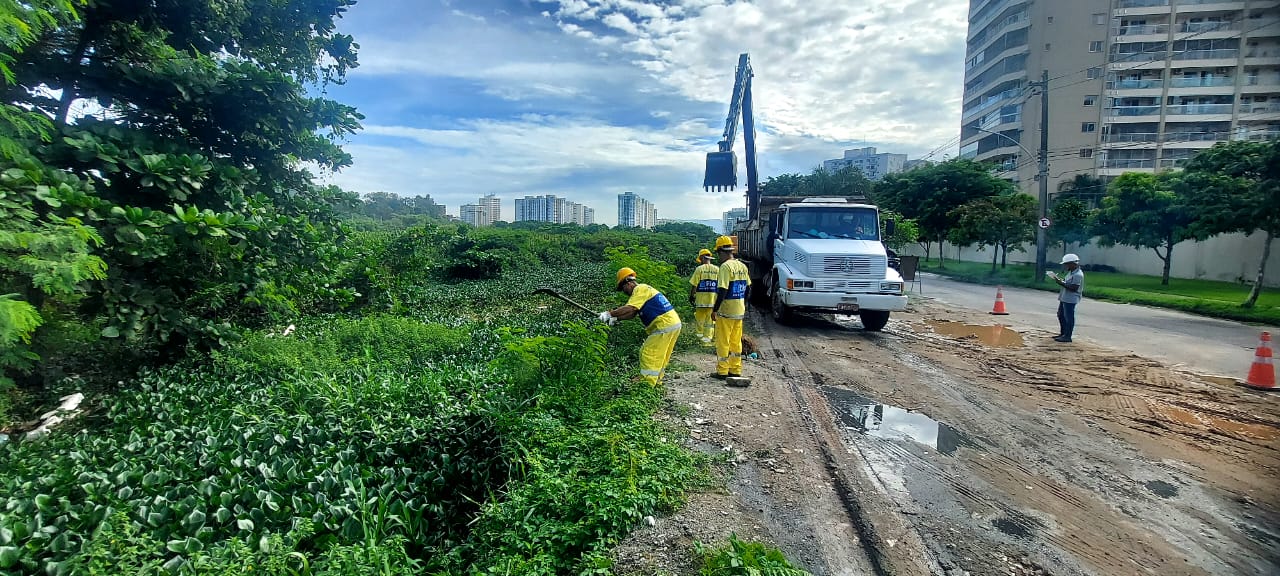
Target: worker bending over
660	320
732	290
702	296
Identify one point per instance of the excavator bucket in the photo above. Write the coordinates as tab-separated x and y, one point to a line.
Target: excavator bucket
722	171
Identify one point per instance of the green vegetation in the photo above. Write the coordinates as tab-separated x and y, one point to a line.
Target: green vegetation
739	558
1204	297
474	428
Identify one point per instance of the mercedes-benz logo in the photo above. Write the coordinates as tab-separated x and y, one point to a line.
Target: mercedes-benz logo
848	265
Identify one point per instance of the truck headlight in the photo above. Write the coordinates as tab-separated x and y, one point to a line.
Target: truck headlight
895	287
792	284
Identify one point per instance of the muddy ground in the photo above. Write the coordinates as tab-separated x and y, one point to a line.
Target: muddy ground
938	447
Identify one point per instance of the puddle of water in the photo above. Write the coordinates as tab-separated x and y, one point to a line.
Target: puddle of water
1162	489
997	336
1220	380
1008	526
1197	420
894	423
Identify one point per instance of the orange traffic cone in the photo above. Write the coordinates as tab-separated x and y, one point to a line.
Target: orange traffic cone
1262	374
999	308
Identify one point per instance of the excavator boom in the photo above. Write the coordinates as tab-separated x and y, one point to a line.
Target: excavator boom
722	165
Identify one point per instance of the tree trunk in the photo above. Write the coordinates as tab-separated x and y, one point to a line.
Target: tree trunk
68	89
1168	261
1262	271
1004	255
942	255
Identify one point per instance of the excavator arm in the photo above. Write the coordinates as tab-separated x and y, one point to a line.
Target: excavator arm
722	165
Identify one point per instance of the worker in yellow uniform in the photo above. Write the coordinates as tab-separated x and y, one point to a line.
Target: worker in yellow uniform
732	290
702	296
660	320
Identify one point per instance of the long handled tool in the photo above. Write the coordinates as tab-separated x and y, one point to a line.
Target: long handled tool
555	294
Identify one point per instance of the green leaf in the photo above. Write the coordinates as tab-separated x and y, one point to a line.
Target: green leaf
8	556
245	524
110	332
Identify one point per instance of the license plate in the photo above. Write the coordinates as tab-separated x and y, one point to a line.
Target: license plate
846	307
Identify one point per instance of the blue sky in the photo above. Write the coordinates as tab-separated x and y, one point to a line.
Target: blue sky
586	99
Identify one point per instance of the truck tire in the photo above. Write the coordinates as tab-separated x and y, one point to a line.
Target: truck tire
874	320
782	313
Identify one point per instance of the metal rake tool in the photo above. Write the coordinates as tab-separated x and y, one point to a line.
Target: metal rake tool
554	294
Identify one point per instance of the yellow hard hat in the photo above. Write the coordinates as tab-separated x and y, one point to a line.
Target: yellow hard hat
623	275
724	242
703	253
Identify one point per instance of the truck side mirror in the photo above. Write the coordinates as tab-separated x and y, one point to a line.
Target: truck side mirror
889	226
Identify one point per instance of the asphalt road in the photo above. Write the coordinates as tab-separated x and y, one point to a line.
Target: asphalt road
1200	344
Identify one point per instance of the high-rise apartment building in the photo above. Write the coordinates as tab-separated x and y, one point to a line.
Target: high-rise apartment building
549	208
473	214
874	166
732	217
1182	75
636	212
492	208
1133	84
1010	43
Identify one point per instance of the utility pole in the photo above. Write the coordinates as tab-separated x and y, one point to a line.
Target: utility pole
1042	234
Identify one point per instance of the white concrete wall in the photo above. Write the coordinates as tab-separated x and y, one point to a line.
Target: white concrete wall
1229	258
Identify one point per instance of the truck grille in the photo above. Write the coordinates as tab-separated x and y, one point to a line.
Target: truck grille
847	285
849	265
800	257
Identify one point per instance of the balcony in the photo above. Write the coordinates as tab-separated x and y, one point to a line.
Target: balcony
1196	136
1130	137
1259	108
1198	2
1140	29
1261	135
996	29
1198	82
1127	164
1173	162
1136	56
1141	3
1131	84
1197	109
1200	27
1134	111
1219	54
990	101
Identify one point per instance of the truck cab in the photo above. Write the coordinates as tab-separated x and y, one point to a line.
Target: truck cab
822	255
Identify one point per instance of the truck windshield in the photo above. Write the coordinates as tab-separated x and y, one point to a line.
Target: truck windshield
842	223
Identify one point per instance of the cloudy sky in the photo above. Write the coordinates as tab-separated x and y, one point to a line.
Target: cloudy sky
586	99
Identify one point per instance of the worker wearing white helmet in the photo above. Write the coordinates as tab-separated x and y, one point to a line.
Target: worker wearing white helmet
732	290
702	296
660	320
1071	294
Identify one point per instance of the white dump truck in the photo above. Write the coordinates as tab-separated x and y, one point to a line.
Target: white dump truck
821	255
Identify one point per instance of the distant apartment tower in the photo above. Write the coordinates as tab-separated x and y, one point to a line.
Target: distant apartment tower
549	208
636	212
1010	43
1135	85
874	166
1182	76
732	217
492	207
473	214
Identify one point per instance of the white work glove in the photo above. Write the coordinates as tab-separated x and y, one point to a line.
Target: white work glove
608	318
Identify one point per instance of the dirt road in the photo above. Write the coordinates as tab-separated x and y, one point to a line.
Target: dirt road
917	452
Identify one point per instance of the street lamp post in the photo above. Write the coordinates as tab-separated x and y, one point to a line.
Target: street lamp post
1042	175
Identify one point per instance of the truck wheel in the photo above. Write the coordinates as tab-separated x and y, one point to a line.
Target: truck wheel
874	320
781	312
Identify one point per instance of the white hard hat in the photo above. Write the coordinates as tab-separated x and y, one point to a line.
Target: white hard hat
1070	258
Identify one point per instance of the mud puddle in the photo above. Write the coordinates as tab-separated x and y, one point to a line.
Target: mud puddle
1198	420
998	336
893	423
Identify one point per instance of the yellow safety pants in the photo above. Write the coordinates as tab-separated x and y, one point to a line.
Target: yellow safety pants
655	353
728	345
705	327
